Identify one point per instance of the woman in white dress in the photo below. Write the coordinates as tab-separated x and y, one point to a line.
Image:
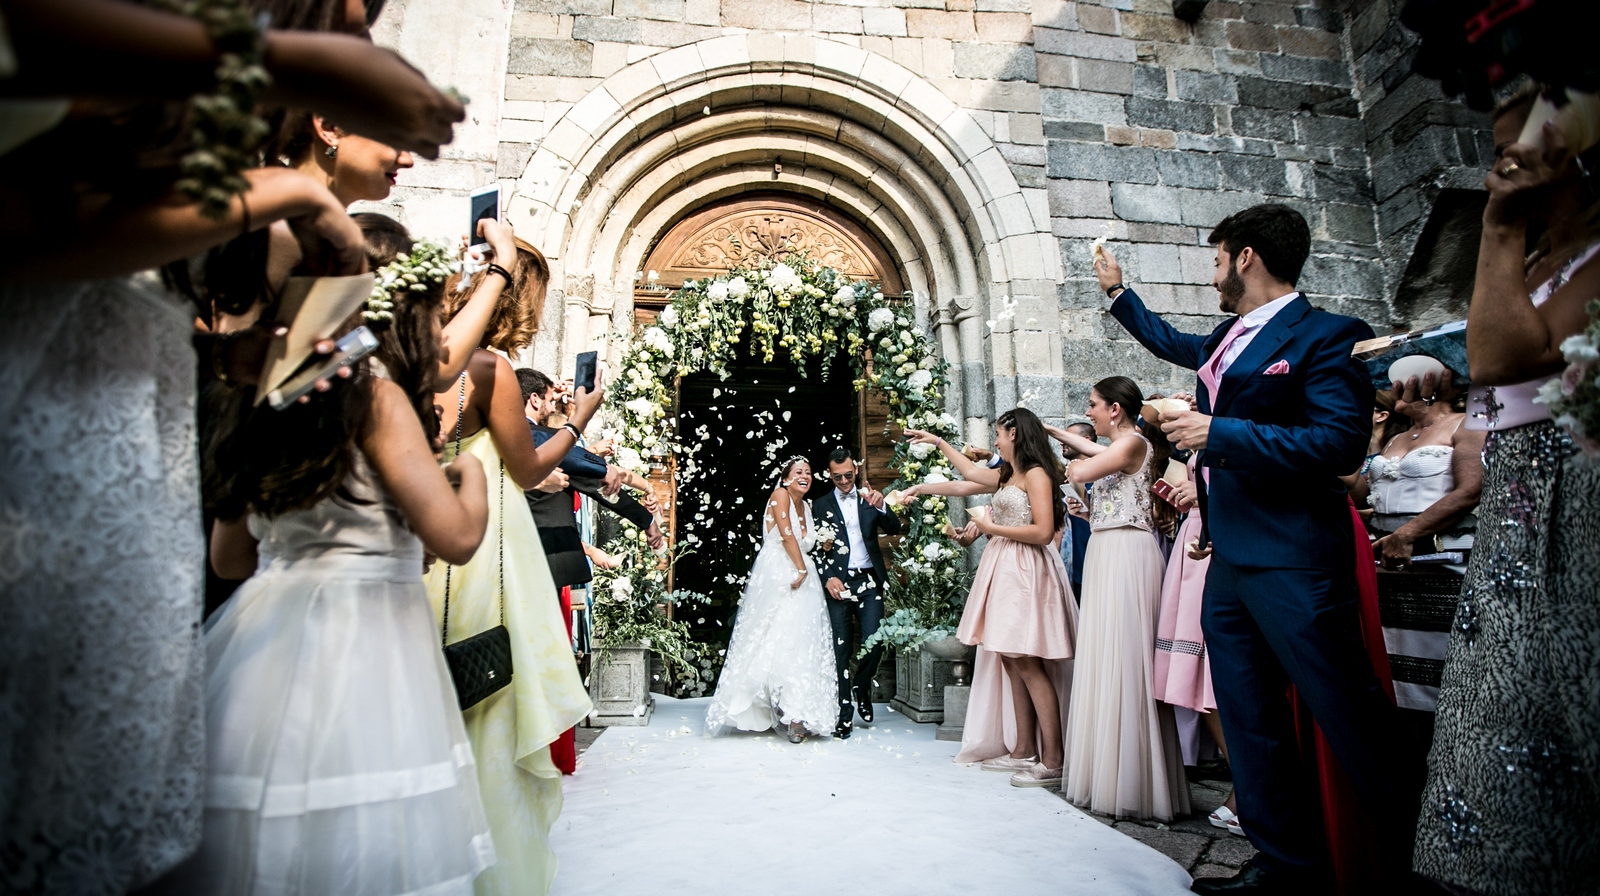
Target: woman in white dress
779	671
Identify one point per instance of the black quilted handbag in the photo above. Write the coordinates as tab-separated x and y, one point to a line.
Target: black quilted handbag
481	664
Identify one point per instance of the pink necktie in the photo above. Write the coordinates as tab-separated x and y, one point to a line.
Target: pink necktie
1210	375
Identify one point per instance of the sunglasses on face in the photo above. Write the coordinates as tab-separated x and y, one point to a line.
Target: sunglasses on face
841	477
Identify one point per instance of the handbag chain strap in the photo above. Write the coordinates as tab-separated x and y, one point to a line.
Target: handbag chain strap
500	539
461	403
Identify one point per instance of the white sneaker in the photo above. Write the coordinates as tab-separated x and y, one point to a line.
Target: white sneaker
1007	764
1037	776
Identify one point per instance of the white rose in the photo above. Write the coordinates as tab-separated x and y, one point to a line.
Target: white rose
621	589
717	291
935	477
880	319
669	317
643	407
628	458
926	363
845	295
930	552
737	288
920	380
948	420
1578	349
921	450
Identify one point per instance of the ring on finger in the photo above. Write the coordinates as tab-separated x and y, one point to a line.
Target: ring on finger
1510	167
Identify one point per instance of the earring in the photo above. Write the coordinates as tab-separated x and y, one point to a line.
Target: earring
331	151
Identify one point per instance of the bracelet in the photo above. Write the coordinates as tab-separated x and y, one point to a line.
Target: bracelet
1113	288
577	434
799	571
496	269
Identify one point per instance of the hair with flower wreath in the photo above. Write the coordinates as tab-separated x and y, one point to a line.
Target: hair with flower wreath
403	310
787	466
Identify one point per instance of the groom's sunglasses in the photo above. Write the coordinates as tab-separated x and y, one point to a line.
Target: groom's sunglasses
841	477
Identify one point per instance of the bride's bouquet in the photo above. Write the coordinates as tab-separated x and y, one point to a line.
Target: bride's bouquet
827	535
1574	396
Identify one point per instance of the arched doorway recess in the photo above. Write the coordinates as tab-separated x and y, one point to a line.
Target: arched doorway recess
743	231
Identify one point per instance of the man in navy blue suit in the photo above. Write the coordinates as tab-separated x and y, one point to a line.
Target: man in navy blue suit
1283	412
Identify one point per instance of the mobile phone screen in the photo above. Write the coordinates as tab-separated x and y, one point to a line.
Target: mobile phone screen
584	377
485	204
355	345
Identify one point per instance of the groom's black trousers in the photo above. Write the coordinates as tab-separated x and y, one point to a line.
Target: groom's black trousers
867	613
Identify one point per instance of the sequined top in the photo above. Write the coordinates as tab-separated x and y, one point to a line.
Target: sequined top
1123	499
1010	507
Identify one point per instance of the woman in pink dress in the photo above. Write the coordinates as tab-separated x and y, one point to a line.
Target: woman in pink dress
1122	744
1020	610
1182	668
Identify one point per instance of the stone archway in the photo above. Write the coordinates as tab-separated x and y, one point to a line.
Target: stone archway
820	119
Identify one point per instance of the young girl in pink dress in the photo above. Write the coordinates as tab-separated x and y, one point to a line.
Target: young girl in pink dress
1020	610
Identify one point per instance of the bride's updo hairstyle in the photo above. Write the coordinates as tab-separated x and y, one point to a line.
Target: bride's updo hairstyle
788	469
1124	392
1031	449
515	319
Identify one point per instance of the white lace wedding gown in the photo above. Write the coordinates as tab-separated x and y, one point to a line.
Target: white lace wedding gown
780	666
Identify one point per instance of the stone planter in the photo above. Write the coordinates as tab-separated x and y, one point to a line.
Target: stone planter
920	680
956	693
619	686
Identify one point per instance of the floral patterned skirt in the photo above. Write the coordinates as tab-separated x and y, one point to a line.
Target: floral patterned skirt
1514	777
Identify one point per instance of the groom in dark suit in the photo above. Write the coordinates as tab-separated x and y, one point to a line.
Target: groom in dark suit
852	571
1283	412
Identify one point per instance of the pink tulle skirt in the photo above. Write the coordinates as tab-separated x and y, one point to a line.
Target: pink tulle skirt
1021	602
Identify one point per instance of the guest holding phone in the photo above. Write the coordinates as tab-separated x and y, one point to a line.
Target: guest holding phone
513	729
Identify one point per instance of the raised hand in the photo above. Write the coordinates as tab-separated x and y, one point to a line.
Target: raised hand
586	403
1106	270
919	437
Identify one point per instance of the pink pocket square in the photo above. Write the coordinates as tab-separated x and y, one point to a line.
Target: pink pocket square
1277	369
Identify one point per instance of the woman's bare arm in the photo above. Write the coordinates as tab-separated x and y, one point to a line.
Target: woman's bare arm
962	464
778	511
1122	456
449	520
955	488
464	333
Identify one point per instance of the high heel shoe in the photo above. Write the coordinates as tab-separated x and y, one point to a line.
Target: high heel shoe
797	732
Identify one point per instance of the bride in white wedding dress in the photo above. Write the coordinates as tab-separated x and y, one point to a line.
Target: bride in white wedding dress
779	671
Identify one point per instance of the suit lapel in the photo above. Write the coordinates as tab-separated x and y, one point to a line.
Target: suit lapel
1255	355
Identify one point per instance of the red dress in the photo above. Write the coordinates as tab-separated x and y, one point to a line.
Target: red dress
1351	847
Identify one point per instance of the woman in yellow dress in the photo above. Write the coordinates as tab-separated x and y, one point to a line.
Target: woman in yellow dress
511	731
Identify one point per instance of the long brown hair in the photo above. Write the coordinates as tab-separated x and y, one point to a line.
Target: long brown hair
515	320
1031	448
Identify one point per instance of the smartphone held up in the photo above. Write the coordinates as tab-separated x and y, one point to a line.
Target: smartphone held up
485	203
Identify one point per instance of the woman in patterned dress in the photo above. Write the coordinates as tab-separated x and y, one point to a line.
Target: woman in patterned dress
1514	775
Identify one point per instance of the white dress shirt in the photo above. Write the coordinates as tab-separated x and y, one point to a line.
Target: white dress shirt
1253	322
859	558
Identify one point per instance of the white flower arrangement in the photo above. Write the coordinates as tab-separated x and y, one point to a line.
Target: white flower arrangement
826	532
717	291
669	317
1574	396
880	319
738	288
845	296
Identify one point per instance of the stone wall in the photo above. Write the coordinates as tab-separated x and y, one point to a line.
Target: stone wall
1107	113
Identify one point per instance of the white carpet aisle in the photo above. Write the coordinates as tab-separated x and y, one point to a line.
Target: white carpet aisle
664	809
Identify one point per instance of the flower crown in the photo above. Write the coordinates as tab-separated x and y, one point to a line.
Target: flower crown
427	265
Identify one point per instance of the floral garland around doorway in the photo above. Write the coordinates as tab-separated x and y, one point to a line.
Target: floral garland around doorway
807	311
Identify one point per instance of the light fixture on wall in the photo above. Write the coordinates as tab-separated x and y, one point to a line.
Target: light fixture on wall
777	169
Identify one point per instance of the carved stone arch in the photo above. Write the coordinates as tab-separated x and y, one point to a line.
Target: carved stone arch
768	224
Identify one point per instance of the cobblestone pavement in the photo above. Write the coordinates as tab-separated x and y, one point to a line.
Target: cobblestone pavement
1192	842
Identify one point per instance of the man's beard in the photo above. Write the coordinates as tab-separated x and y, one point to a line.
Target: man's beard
1232	289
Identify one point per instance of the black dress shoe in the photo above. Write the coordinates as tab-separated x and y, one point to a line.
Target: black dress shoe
1252	879
864	707
842	731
